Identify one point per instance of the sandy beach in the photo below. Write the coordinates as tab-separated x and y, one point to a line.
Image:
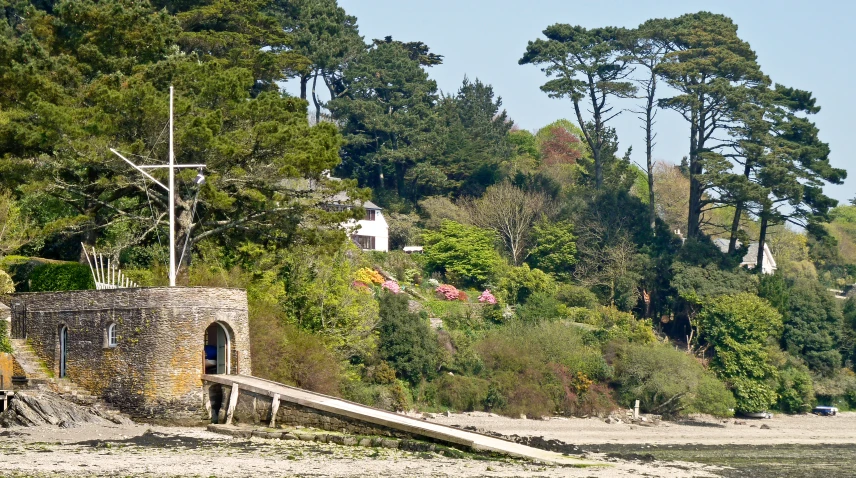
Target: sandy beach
144	450
701	430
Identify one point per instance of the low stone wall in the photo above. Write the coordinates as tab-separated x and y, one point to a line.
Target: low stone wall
155	369
254	409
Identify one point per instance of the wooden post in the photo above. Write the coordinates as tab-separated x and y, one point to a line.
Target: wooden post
636	410
233	401
274	408
206	399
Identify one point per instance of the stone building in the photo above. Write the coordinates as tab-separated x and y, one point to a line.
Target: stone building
143	350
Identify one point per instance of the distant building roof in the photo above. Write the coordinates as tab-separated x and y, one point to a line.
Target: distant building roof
750	259
342	197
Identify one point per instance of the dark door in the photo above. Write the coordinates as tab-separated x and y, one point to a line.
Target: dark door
63	348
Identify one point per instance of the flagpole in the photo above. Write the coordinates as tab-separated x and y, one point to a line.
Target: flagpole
171	197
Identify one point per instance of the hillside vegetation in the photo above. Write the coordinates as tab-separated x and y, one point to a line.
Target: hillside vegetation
557	276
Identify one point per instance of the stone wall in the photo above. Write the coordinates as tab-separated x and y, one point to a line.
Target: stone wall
155	370
253	408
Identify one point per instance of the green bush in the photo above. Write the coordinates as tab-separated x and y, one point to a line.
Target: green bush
59	277
465	254
576	296
461	393
284	353
6	284
519	283
542	369
542	306
5	345
794	385
667	382
738	327
406	341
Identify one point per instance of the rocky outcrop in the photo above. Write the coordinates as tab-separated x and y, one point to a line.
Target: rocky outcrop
36	408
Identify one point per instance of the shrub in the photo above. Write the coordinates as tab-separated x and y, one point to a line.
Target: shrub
521	282
5	344
536	370
284	353
391	286
461	393
59	277
576	296
6	284
448	292
465	252
367	275
794	387
667	382
487	298
407	342
542	306
738	326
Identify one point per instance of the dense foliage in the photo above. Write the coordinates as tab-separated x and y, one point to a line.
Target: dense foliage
557	276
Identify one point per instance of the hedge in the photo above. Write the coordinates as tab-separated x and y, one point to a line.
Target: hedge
58	277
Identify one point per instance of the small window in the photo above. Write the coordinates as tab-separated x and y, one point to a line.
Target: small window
111	335
364	242
370	215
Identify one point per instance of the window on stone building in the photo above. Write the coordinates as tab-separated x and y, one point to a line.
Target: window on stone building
111	335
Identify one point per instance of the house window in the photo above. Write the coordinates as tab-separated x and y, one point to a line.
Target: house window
111	335
364	242
370	215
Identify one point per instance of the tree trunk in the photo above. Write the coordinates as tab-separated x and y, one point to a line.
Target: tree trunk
762	239
649	150
304	80
315	100
735	224
694	213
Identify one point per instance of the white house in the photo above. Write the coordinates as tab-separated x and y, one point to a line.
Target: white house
371	233
750	260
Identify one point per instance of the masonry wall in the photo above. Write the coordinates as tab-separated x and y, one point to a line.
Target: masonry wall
155	370
253	408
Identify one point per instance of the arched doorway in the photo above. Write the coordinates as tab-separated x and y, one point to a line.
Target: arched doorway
63	350
217	349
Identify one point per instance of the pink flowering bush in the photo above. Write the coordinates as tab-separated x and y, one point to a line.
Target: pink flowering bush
448	292
487	298
391	286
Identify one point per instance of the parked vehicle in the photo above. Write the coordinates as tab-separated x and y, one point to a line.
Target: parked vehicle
825	411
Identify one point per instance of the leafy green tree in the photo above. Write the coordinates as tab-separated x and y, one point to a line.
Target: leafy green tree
712	70
407	342
519	283
475	139
812	326
554	248
387	114
325	34
224	60
586	67
737	328
319	298
462	252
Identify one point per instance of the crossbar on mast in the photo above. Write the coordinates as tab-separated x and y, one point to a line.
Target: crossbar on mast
169	189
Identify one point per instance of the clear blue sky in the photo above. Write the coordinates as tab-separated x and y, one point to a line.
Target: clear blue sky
803	44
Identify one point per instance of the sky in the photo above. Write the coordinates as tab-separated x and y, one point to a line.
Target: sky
801	44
